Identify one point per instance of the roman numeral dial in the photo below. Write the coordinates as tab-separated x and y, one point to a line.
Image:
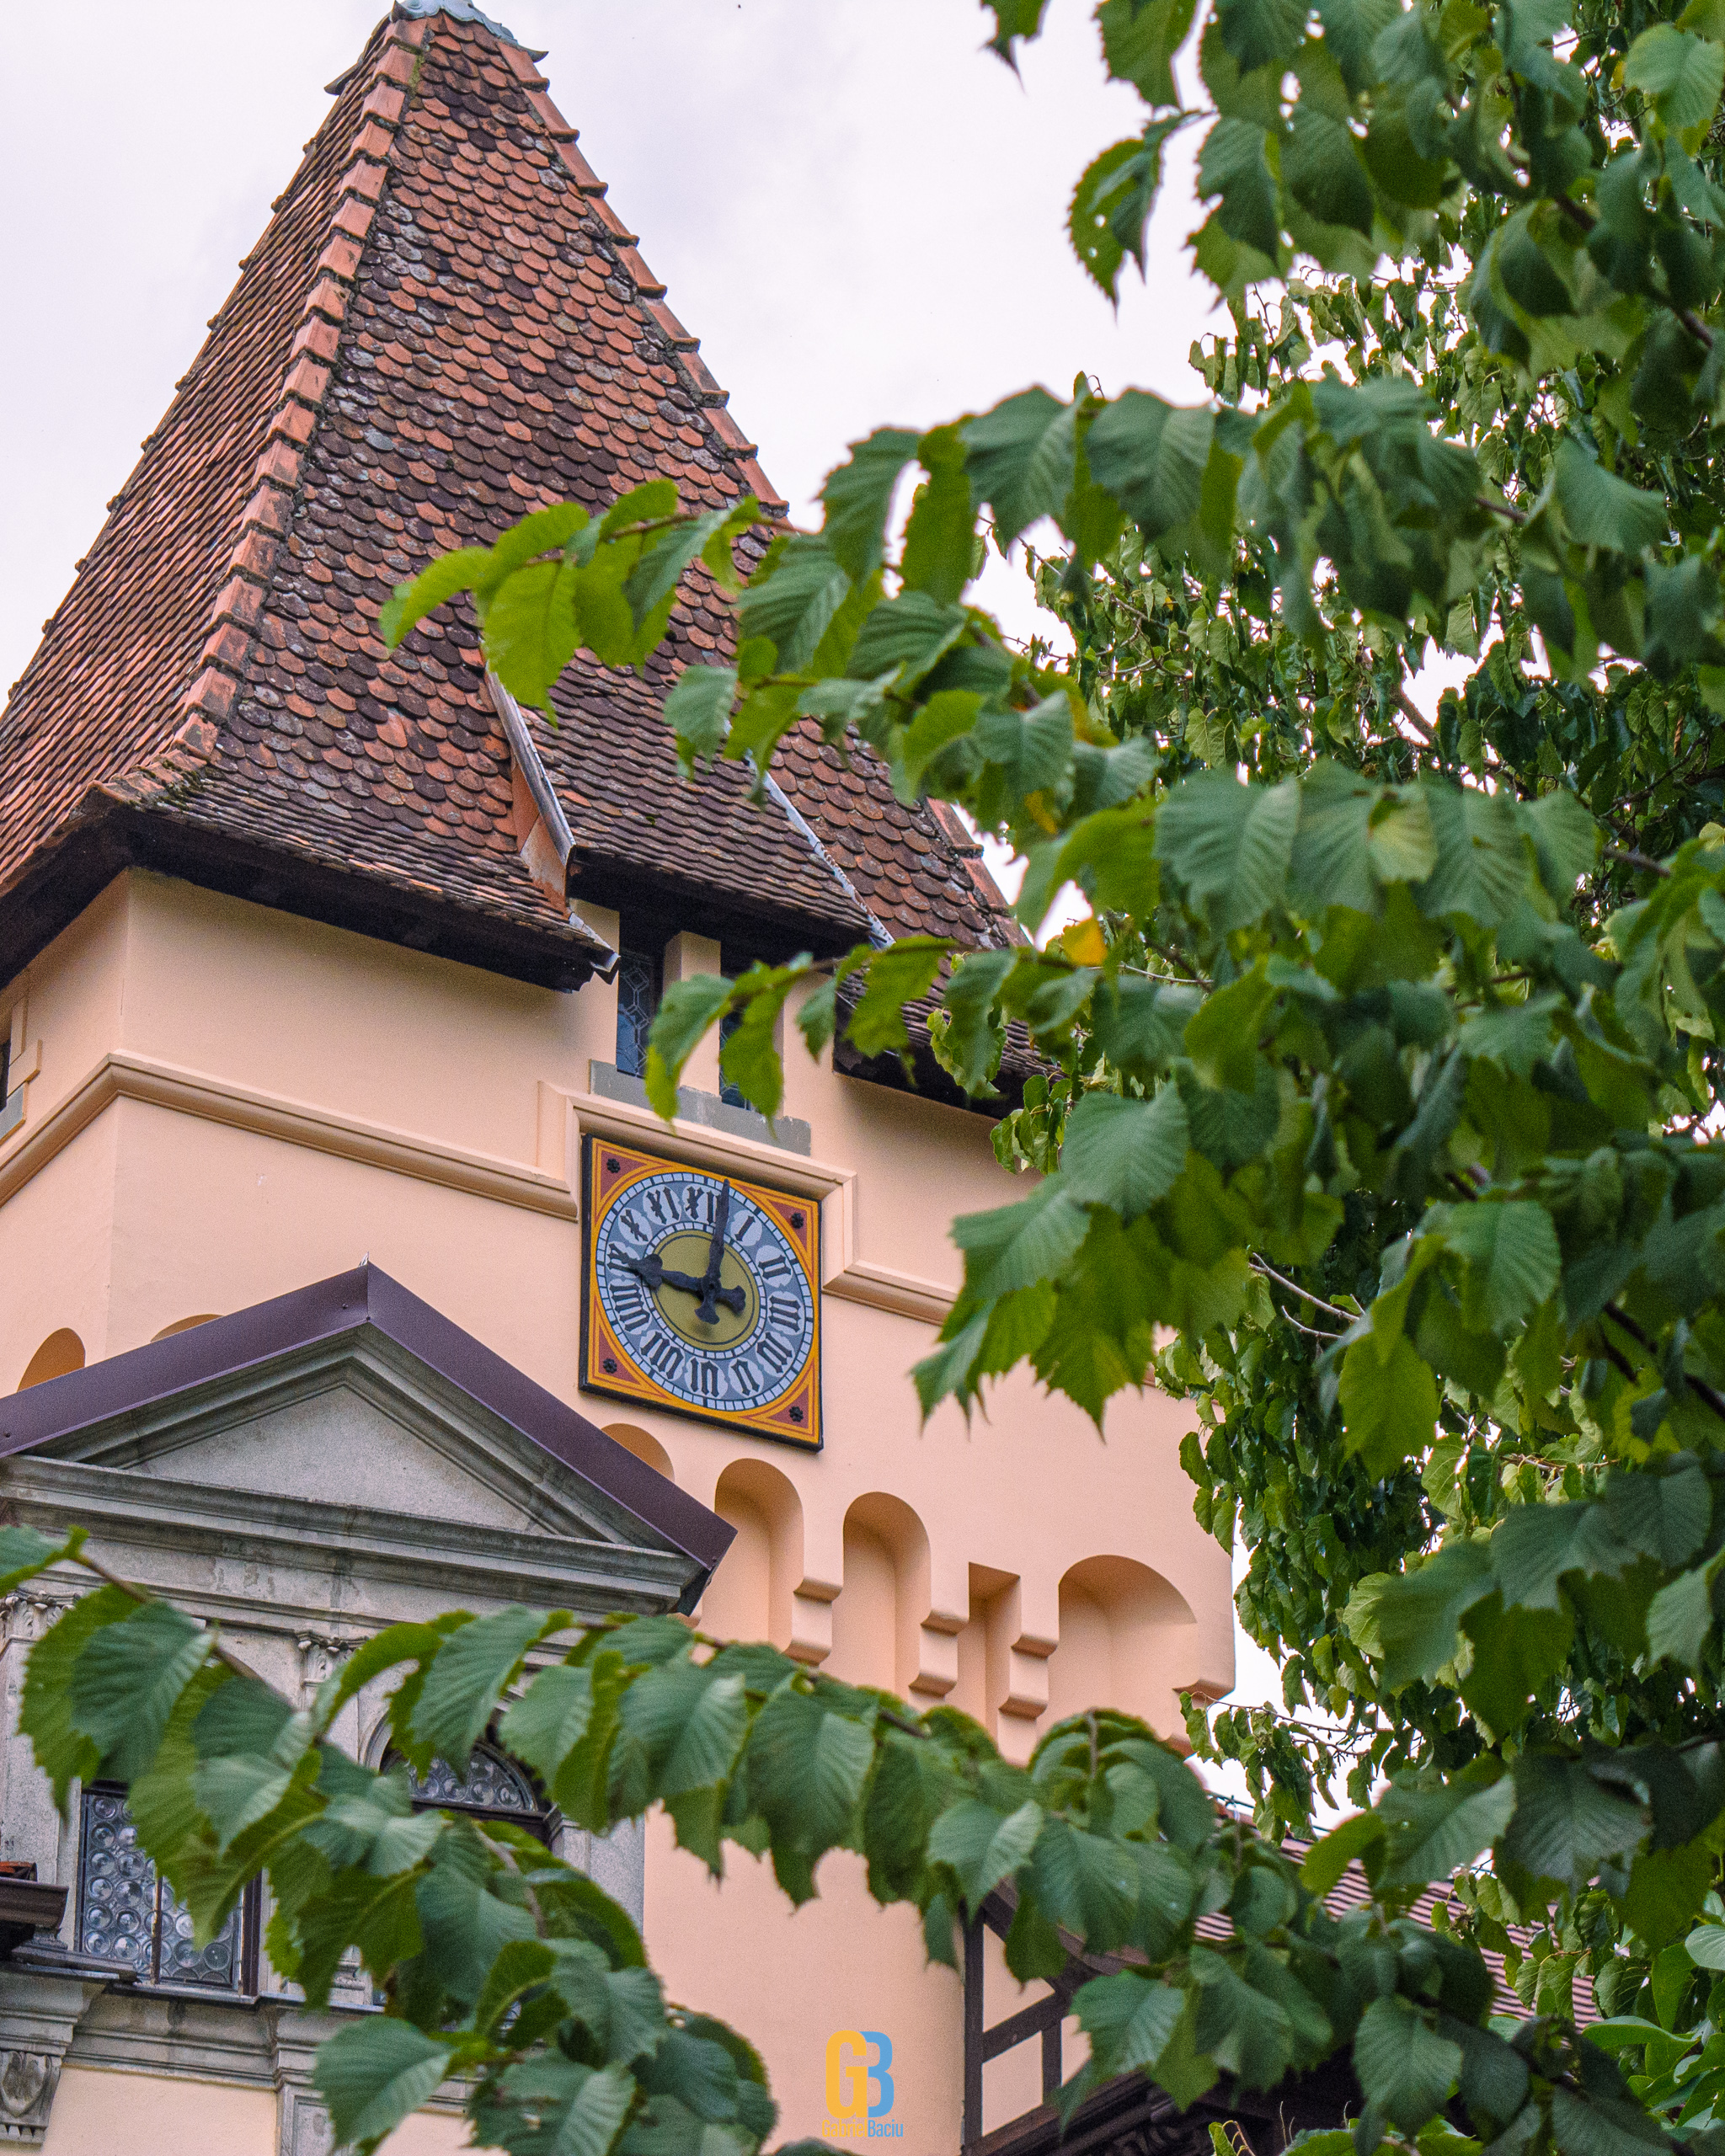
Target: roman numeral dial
700	1293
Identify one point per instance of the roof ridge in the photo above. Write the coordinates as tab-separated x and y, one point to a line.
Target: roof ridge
684	348
267	518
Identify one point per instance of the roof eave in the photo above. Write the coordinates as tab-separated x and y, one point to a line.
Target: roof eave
72	866
348	1303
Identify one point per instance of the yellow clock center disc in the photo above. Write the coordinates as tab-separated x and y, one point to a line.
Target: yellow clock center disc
688	1253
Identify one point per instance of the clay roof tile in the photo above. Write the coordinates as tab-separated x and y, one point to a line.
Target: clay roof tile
401	369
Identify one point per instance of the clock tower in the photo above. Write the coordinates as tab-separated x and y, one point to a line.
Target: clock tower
312	952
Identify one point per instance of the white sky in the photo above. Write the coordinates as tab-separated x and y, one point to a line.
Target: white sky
859	212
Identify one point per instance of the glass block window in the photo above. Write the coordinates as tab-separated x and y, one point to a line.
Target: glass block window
637	999
127	1913
491	1783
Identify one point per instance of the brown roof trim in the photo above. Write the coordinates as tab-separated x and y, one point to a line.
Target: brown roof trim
66	875
350	1303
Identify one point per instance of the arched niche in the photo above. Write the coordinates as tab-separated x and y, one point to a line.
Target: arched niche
644	1446
877	1621
1123	1630
59	1354
184	1324
749	1596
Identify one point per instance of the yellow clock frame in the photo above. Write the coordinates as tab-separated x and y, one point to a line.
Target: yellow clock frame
609	1365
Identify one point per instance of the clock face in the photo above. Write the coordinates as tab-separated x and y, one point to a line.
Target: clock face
700	1294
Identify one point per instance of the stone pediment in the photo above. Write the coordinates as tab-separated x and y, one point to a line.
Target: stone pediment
349	1425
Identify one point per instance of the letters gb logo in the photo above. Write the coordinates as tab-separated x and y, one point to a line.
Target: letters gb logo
857	2086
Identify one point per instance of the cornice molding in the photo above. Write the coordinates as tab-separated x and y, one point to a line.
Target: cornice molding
545	1187
121	1075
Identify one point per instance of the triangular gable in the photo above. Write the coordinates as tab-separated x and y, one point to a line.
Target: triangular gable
445	324
354	1391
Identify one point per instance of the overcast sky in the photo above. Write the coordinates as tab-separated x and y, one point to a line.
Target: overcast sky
858	212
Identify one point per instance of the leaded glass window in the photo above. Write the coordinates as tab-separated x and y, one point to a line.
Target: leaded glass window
127	1913
637	999
491	1783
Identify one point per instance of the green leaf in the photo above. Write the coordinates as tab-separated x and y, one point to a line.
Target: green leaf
659	570
698	710
1139	39
1605	2127
939	554
1016	1245
450	573
1321	167
1566	1822
24	1553
530	633
1683	75
1113	201
903	638
1233	163
1123	1154
1331	1854
1405	2069
687	1011
63	1750
1013	20
894	977
1599	509
375	2073
1510	1250
1023	459
1432	1833
1482	866
793	598
1389	1404
690	1723
649	504
1229	844
982	1846
1680	1617
1418	1614
125	1683
968	1040
1128	2019
1705	1946
858	498
1258	32
1150	455
806	1768
467	1681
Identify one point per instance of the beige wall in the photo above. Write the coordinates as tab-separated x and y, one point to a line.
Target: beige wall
101	2114
227	1102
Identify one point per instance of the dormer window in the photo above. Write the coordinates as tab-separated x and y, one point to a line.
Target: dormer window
637	999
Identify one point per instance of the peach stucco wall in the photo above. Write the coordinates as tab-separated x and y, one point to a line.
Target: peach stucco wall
99	2113
224	1102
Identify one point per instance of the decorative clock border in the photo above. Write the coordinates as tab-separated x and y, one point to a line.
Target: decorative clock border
566	1117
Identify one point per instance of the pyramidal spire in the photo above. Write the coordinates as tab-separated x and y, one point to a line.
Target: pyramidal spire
445	325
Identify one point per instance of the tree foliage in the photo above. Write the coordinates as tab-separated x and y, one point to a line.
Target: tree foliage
1377	1112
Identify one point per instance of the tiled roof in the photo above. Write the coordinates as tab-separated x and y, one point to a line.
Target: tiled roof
445	325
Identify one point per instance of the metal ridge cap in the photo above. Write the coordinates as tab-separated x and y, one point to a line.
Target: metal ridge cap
461	11
878	934
525	751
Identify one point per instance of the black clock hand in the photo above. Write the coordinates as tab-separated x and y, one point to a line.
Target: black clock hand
711	1294
656	1276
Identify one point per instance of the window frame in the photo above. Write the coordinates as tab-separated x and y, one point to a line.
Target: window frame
631	955
243	1990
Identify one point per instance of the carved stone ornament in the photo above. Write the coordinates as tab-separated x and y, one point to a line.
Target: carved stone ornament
28	2080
